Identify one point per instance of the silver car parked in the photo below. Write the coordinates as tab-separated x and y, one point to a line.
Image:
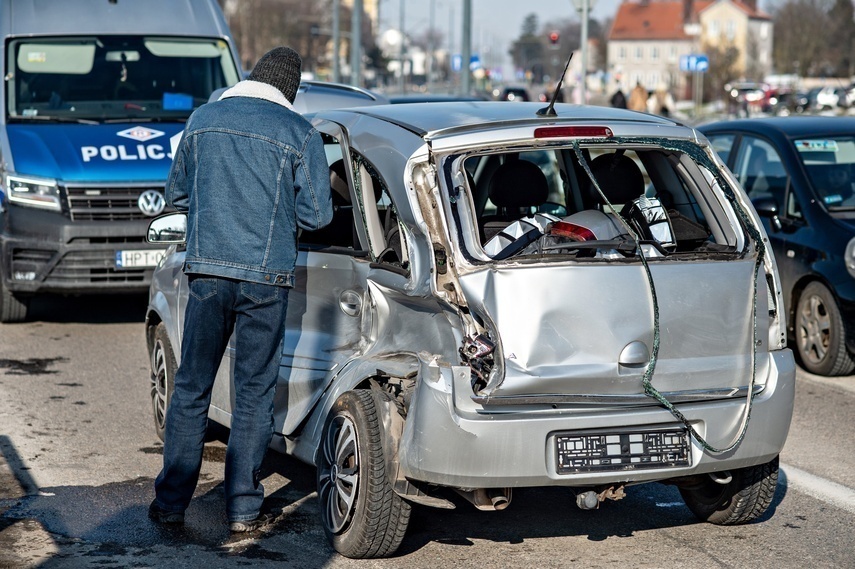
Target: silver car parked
507	299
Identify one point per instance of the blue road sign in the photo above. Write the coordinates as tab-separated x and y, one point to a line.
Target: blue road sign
457	62
695	62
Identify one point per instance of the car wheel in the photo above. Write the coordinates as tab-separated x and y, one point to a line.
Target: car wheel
12	308
743	499
820	335
163	368
362	515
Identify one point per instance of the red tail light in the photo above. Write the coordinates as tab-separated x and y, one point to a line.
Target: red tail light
571	231
573	131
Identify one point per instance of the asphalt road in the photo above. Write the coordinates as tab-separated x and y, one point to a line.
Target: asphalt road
78	455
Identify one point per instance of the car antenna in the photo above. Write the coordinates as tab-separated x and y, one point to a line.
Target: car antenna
550	110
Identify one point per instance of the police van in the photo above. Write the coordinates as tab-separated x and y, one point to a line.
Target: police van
94	89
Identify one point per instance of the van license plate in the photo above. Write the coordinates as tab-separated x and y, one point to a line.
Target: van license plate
139	258
610	451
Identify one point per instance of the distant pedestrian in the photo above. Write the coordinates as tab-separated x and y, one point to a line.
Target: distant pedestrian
638	98
249	172
618	100
660	102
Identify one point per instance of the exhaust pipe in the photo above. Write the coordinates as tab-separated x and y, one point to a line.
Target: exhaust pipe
488	499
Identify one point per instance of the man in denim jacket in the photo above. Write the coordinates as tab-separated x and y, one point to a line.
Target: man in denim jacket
249	172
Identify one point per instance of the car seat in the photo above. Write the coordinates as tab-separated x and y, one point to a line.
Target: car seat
618	176
515	188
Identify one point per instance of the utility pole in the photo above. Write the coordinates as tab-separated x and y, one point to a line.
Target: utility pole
356	45
401	83
431	47
336	40
466	85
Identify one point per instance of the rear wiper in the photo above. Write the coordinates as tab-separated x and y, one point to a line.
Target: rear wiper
48	118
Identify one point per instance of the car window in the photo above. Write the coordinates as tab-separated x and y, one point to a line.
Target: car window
722	144
340	231
760	170
643	184
387	243
830	166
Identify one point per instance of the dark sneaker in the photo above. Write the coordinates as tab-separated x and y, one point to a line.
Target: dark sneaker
262	521
164	517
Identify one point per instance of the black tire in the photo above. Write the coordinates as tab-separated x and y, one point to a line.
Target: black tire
820	334
742	500
362	515
163	368
12	307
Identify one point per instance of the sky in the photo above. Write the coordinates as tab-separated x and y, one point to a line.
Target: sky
496	23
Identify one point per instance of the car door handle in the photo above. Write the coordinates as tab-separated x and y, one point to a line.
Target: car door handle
350	302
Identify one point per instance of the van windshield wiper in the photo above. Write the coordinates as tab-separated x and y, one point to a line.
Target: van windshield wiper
49	118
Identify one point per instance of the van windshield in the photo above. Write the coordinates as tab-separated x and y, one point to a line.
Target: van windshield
114	78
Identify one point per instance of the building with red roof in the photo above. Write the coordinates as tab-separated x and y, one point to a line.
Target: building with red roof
648	38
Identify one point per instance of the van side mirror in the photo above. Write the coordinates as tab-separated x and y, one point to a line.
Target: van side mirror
767	207
167	229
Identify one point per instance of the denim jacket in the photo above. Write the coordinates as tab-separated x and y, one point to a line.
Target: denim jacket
249	171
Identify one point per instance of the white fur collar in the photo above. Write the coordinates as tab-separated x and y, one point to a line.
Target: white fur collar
259	90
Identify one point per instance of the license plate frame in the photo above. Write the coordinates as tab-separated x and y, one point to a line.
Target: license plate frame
139	258
620	450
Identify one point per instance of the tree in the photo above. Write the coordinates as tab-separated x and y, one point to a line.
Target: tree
527	50
841	38
723	57
801	37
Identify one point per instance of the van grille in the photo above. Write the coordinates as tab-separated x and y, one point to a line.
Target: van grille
106	203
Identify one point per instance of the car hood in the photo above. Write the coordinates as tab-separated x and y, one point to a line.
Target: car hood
92	153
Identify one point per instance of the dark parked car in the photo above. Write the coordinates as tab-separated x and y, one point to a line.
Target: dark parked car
799	172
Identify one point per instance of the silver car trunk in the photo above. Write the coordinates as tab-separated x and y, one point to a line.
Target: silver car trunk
582	329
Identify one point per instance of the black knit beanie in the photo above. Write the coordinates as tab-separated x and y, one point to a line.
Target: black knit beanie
279	67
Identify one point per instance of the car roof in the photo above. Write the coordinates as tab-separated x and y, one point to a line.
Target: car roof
423	118
787	127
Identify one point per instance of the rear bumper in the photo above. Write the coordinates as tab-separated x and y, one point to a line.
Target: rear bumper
442	446
44	251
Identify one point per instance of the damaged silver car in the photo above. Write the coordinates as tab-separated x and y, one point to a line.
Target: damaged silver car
508	299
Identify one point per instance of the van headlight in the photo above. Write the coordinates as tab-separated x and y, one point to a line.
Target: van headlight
32	192
849	257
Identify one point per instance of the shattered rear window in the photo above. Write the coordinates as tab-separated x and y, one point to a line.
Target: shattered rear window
542	203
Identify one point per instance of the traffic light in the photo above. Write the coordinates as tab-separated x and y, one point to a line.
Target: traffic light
553	37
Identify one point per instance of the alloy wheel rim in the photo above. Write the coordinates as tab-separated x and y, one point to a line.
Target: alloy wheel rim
814	329
339	474
159	382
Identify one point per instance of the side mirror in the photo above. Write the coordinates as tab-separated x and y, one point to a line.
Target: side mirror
167	229
767	207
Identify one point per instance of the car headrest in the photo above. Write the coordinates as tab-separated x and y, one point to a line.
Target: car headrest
518	184
618	176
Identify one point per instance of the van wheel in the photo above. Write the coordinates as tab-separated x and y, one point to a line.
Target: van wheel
163	368
744	499
12	308
362	515
820	335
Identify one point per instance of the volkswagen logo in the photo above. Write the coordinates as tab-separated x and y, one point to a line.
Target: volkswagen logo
151	202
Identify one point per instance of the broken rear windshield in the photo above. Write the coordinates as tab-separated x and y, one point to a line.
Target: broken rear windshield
529	203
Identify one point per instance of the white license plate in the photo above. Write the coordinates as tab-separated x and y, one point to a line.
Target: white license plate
139	258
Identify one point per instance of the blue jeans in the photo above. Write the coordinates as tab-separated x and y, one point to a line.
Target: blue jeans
256	314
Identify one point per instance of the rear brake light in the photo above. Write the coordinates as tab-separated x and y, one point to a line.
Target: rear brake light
571	131
571	231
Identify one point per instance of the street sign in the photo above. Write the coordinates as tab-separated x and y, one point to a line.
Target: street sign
457	62
695	62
